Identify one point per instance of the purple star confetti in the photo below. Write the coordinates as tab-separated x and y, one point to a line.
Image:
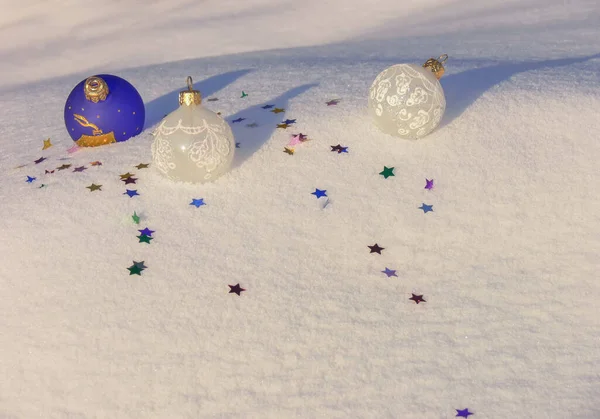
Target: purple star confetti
390	272
238	120
79	169
38	161
429	184
463	413
146	231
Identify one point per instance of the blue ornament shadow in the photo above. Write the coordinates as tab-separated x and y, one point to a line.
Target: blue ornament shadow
251	139
158	108
463	89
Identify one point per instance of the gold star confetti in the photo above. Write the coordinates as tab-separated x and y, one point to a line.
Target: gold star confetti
283	126
288	150
126	175
278	110
93	187
47	144
142	166
96	163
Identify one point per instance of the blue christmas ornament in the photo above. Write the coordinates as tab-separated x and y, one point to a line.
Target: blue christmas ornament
104	109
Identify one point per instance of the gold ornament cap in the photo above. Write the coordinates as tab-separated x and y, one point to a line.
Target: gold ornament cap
190	96
95	89
436	65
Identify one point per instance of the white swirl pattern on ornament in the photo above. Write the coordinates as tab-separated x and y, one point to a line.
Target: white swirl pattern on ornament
210	152
407	100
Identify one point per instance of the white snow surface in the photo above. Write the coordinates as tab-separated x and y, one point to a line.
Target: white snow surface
507	262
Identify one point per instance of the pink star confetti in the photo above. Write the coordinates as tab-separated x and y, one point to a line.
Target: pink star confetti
73	149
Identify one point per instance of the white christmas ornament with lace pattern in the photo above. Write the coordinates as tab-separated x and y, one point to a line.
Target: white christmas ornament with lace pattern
407	100
193	144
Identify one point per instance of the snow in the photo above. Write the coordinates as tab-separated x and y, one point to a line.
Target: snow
507	261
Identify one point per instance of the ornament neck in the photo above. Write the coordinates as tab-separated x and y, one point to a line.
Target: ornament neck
190	96
436	65
95	89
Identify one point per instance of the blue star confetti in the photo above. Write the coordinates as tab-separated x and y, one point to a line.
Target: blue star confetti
390	272
30	179
319	193
426	208
198	202
131	193
238	120
146	231
289	121
268	106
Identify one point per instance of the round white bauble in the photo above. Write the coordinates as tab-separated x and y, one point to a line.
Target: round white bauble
407	101
193	144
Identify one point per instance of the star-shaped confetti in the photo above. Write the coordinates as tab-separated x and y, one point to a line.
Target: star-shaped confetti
38	161
387	172
278	110
319	193
144	238
63	167
417	299
339	148
93	187
80	169
429	184
73	149
288	150
139	265
142	166
282	126
212	99
146	231
236	289
131	192
238	120
464	413
333	102
268	106
126	175
30	179
426	208
297	139
136	268
244	94
390	272
43	186
129	180
135	218
198	202
376	248
237	145
252	125
49	172
289	121
47	144
96	163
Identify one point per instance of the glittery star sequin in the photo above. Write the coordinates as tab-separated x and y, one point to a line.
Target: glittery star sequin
390	272
429	183
47	144
80	169
278	110
339	149
463	413
142	166
93	187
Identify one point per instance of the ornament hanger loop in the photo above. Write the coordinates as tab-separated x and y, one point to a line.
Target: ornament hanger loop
190	96
190	83
443	58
